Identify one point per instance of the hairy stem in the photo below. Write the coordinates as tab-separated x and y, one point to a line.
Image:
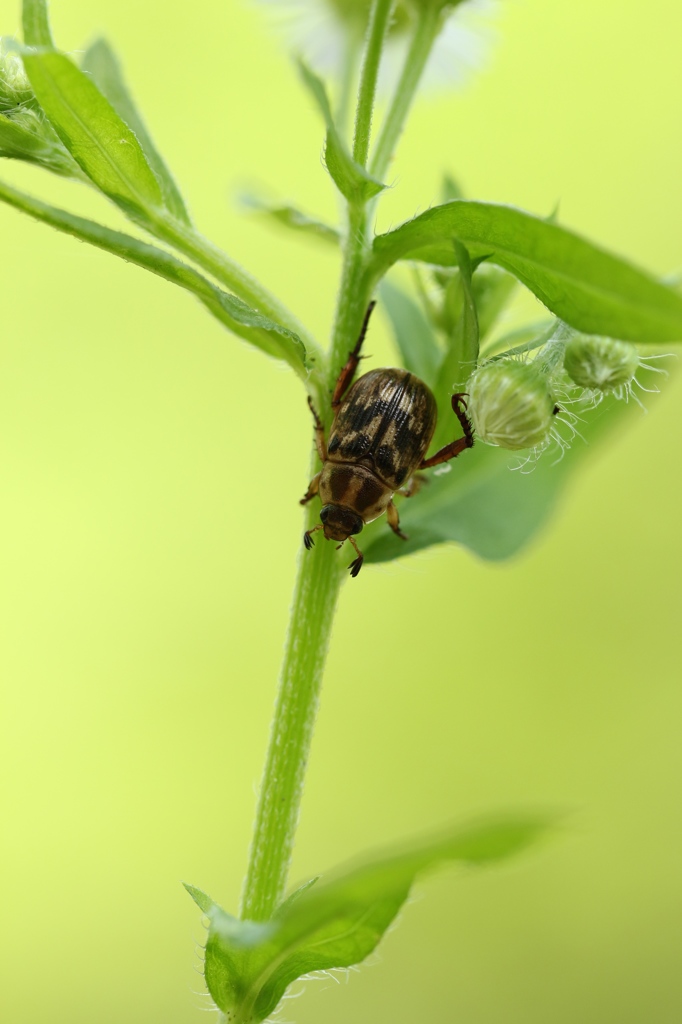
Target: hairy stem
429	22
312	613
315	597
381	12
319	574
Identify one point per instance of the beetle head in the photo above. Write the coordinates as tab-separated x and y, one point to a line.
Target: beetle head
339	522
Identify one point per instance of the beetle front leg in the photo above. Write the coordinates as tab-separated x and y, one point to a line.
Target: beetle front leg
308	536
348	372
313	488
356	565
455	448
394	521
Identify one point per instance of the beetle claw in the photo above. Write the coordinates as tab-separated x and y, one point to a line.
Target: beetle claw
308	540
356	565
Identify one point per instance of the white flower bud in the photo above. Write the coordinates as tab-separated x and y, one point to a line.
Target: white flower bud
511	405
600	364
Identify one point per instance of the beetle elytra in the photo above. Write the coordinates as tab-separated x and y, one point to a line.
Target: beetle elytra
382	428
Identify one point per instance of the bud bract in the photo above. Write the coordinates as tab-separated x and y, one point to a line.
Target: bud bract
600	364
511	405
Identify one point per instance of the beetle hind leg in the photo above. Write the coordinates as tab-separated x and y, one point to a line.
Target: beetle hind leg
455	448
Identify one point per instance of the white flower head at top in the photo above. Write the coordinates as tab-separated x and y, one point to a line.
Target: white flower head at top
323	31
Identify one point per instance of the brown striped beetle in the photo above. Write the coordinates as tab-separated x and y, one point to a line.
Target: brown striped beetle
381	432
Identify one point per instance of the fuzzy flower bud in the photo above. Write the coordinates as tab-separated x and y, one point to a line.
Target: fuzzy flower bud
15	88
600	364
511	405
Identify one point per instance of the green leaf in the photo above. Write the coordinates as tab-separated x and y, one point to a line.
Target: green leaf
237	316
290	217
101	64
293	896
202	899
97	138
339	921
585	286
350	178
485	505
493	288
36	24
415	340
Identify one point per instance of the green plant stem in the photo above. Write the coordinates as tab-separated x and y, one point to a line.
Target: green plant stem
378	23
319	574
348	73
428	26
315	596
232	275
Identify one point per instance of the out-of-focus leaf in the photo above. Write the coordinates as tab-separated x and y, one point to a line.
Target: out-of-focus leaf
287	216
588	288
350	178
450	189
236	315
521	339
486	506
339	921
36	24
414	337
101	63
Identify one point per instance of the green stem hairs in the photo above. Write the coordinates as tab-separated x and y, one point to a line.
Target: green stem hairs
530	393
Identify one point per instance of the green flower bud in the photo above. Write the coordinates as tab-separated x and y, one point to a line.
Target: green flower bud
511	405
15	88
600	364
25	134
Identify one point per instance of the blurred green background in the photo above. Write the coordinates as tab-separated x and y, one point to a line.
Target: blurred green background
151	466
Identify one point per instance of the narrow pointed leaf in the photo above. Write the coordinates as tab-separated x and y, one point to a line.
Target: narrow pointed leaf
202	899
350	178
99	141
340	921
450	188
414	337
36	23
283	215
485	505
589	288
237	316
101	64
